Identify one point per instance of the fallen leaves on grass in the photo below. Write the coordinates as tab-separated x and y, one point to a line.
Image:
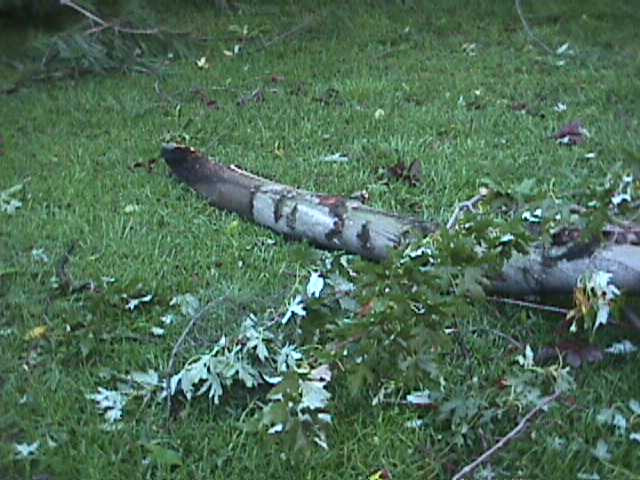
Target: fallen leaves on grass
257	96
210	103
335	157
331	96
8	204
560	107
26	450
133	303
422	399
202	64
36	333
525	108
571	134
149	165
411	173
163	456
624	347
575	354
110	402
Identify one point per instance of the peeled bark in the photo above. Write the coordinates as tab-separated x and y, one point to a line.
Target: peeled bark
337	223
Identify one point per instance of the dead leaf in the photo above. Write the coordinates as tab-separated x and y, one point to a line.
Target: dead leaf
412	173
335	157
277	78
367	308
331	96
525	108
210	103
37	333
257	96
361	196
572	134
149	165
382	474
575	354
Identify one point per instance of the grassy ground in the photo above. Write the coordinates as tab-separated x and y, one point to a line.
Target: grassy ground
73	145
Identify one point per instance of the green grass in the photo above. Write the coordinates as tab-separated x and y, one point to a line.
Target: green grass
73	144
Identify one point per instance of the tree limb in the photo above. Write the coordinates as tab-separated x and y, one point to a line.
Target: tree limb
337	223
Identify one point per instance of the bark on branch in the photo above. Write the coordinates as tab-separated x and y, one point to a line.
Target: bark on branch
337	223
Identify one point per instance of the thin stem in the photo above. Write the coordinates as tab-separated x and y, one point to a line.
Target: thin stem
504	441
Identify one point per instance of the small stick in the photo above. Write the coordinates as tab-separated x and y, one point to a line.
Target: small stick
535	306
469	205
86	13
174	354
500	334
529	31
524	423
104	25
306	22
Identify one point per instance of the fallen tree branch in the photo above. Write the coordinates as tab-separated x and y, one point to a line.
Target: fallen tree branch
328	221
337	223
504	441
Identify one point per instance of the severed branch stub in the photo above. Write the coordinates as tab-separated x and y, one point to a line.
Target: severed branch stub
335	222
468	206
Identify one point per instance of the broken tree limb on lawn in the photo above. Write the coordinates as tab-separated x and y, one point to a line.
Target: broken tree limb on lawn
337	223
327	221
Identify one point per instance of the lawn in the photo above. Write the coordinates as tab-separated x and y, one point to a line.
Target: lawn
461	88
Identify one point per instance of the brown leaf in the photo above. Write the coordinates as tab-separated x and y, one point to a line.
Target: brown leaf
415	172
331	96
411	174
367	308
503	383
575	354
149	165
572	134
212	104
277	78
524	107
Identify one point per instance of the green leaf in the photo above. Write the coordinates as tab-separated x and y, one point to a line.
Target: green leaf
526	189
164	456
275	413
359	378
471	284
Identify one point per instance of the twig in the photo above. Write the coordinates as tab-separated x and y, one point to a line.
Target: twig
174	354
500	334
307	21
504	441
529	31
86	13
535	306
118	29
105	25
66	282
469	205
